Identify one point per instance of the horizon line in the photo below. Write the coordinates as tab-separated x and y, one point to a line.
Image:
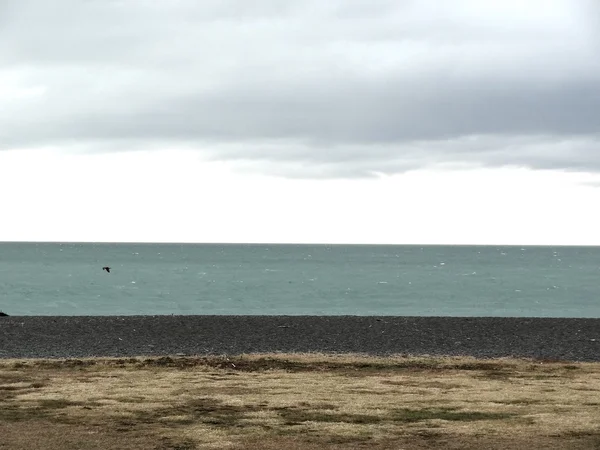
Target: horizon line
295	243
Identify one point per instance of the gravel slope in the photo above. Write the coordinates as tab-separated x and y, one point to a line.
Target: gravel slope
70	337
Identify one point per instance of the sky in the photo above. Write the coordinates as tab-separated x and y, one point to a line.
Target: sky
338	121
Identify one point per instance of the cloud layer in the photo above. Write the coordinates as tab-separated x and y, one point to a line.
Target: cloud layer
342	88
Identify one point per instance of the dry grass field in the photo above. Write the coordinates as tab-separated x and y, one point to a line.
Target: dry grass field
298	402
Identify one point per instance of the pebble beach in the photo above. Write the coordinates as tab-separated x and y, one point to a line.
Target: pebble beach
127	336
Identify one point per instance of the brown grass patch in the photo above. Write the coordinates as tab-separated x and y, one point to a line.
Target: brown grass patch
298	402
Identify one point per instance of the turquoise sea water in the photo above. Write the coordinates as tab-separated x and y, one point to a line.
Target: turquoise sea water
67	279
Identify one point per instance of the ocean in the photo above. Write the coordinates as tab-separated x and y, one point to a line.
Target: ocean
399	280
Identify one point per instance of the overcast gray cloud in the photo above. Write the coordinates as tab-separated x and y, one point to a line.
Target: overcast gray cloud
312	88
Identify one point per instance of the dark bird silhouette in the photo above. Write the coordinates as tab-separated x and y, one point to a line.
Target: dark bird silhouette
106	268
3	314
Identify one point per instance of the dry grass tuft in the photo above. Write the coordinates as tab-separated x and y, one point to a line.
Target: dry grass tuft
298	402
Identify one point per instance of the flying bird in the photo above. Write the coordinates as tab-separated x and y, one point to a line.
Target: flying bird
106	268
